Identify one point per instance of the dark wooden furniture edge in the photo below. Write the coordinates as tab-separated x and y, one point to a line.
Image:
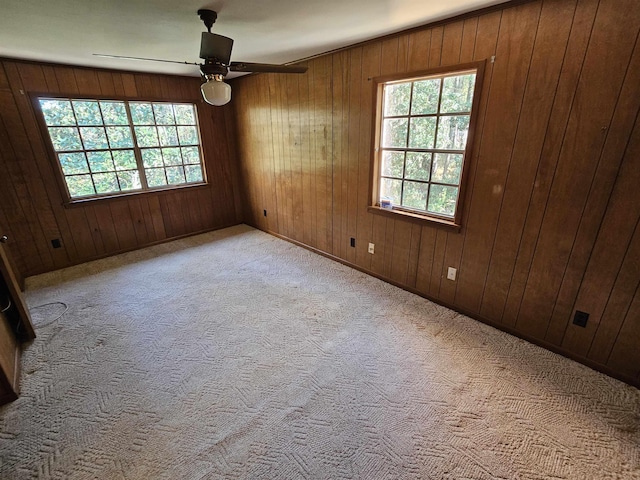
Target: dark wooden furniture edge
16	294
12	390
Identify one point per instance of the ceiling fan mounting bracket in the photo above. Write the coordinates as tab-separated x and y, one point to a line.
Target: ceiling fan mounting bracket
208	17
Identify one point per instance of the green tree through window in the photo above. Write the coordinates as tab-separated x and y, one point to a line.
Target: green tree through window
424	125
108	147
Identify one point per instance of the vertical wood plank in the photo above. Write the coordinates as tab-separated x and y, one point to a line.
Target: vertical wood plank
138	220
148	222
468	44
364	222
254	188
425	259
597	92
231	159
284	170
419	47
452	43
94	228
309	171
353	143
25	252
16	189
518	26
12	248
275	118
338	93
484	46
607	171
129	85
26	142
105	223
435	49
611	244
123	223
548	54
565	94
414	255
156	218
322	74
625	356
438	266
618	303
401	246
401	251
382	227
66	80
118	86
270	197
87	81
295	142
107	85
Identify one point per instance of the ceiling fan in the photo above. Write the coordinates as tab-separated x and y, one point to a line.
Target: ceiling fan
215	50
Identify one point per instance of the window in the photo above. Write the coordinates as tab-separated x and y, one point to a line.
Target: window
422	136
111	147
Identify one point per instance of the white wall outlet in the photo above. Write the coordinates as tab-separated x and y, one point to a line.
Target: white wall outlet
371	248
451	273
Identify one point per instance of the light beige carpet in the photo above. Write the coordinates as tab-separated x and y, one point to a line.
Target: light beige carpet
238	355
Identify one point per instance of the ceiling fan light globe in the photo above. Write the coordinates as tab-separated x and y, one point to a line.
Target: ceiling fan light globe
216	92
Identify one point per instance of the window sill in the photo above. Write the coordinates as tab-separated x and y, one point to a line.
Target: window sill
415	218
83	202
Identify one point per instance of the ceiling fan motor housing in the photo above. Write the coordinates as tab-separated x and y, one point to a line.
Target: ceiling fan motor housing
213	67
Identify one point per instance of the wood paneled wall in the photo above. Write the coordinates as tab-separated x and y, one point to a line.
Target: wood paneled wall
551	215
31	209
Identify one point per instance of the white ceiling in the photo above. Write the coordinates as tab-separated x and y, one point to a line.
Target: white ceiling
270	31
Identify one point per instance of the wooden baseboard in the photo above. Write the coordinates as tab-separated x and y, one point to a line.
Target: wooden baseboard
138	247
635	382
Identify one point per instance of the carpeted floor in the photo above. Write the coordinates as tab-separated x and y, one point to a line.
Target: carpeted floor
238	355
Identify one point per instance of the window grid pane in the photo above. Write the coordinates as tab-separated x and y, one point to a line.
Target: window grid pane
97	144
87	113
423	139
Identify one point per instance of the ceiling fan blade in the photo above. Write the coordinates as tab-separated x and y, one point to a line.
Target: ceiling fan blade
142	58
216	46
265	68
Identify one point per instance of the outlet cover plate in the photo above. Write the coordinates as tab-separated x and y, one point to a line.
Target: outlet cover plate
451	273
580	318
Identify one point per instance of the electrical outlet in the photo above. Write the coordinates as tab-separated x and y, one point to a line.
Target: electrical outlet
580	318
264	212
55	243
451	273
372	248
353	242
